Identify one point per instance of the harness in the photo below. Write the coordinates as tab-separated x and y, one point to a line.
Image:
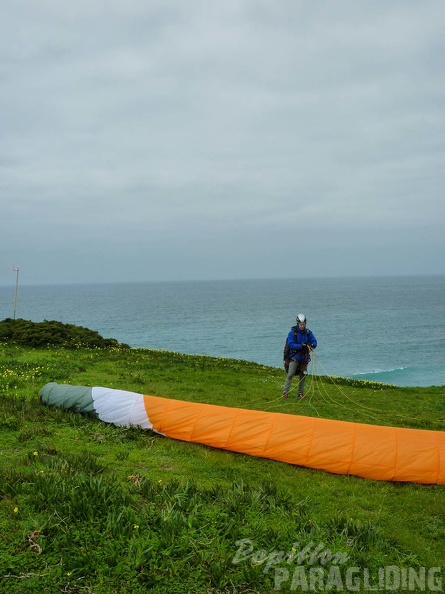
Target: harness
287	352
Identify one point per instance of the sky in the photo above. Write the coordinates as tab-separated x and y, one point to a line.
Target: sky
169	140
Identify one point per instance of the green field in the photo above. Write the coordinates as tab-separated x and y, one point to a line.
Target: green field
88	507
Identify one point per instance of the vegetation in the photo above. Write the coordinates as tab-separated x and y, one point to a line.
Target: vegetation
91	508
51	333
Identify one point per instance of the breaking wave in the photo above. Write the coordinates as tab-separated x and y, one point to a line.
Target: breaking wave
421	376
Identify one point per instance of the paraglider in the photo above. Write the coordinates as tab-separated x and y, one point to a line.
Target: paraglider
341	447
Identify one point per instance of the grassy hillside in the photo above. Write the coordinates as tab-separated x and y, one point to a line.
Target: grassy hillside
87	507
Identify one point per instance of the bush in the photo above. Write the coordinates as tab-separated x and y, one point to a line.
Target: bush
52	333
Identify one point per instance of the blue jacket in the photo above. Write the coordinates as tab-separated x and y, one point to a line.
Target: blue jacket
296	340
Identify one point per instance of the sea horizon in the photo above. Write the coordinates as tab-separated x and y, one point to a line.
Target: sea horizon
228	279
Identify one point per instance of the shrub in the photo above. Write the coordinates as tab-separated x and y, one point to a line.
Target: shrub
52	333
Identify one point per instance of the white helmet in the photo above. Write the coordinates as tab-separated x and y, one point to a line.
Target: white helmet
301	319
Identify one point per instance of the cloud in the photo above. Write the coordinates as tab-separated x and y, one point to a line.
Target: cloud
231	129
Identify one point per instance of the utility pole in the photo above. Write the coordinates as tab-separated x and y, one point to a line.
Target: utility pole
16	270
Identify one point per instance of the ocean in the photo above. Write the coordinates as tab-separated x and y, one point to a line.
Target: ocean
385	329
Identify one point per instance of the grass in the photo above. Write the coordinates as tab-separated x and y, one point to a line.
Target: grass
88	507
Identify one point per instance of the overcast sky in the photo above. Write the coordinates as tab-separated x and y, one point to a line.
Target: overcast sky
182	139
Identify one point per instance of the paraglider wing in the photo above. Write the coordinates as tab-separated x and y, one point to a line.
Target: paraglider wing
341	447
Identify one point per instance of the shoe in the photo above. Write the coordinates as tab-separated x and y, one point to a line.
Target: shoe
300	395
284	394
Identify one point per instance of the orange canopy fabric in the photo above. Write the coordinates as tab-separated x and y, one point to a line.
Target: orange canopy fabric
369	451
